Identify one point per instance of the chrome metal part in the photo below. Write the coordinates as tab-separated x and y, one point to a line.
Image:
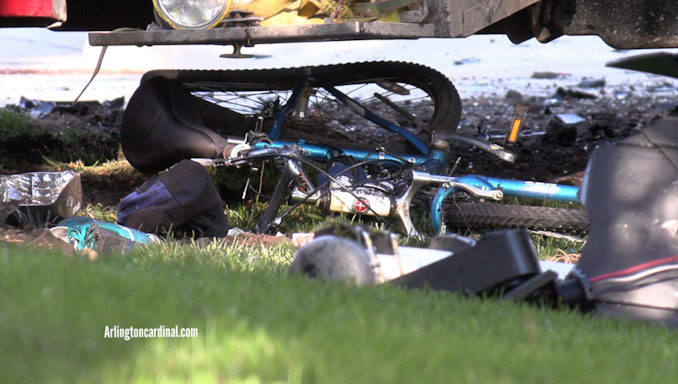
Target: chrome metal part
209	162
420	179
488	147
238	149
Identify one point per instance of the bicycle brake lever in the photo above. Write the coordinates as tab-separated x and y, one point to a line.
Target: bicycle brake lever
491	148
419	179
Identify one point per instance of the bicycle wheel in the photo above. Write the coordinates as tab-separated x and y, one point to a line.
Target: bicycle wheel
503	216
412	96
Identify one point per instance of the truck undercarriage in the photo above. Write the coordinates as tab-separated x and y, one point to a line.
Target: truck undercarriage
623	24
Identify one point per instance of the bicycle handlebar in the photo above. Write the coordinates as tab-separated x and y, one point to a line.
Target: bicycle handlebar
365	200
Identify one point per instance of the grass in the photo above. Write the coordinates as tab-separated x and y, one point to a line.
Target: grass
98	169
13	123
26	139
257	325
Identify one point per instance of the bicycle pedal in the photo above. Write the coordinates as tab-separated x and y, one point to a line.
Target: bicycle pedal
517	123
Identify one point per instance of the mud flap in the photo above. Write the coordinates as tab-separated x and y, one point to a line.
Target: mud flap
631	194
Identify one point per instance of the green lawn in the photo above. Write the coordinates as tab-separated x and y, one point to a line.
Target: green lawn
257	325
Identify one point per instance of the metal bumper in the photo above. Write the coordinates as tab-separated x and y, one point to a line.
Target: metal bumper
266	34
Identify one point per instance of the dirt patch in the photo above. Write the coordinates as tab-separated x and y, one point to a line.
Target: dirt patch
247	239
108	188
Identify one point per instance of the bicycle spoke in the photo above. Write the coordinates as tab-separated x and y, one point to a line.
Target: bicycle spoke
246	103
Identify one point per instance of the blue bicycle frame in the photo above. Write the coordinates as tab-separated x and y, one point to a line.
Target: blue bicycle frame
412	139
432	163
432	160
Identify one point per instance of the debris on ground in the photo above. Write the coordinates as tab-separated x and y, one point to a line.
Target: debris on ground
570	118
547	75
39	198
591	83
554	146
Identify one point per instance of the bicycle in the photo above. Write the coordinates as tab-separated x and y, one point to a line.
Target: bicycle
177	114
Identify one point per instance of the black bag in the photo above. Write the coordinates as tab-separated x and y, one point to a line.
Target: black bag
183	201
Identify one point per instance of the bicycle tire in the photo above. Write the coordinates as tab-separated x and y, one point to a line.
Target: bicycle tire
445	99
484	216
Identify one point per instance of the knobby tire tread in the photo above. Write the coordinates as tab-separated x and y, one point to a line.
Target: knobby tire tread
492	216
447	101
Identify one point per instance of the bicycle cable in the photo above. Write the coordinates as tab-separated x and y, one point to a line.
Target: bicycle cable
321	187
